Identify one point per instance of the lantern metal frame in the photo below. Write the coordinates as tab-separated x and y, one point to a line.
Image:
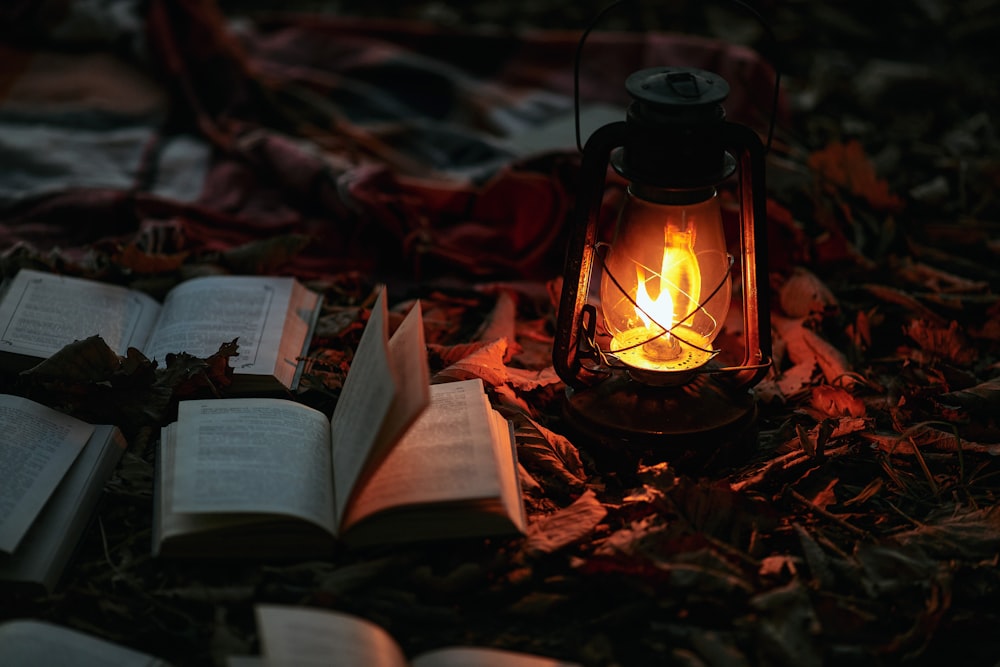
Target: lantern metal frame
675	141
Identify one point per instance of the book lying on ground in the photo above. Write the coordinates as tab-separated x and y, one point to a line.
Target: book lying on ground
272	319
309	637
400	460
30	643
54	469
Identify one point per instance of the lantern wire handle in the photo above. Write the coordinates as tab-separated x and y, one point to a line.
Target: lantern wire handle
614	5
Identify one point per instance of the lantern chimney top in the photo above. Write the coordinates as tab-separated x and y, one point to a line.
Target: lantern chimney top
667	87
675	127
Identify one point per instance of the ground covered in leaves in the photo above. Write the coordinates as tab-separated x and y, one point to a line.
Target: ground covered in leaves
865	528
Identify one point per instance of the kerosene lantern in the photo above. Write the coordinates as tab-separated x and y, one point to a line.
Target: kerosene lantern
643	304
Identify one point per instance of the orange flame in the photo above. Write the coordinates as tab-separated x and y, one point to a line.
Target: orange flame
679	283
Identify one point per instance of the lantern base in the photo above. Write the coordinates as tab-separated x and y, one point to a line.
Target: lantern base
698	426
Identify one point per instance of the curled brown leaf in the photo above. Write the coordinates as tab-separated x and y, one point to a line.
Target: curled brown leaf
566	526
948	343
551	454
482	361
804	294
87	360
831	401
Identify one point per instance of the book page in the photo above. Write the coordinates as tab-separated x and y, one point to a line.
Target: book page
446	455
300	320
168	523
470	656
408	356
247	455
369	413
505	451
29	643
43	312
53	536
201	314
304	637
37	446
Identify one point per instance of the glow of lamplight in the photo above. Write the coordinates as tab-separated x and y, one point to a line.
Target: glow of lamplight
653	346
650	310
677	268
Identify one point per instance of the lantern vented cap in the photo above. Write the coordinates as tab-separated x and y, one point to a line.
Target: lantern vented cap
667	87
675	130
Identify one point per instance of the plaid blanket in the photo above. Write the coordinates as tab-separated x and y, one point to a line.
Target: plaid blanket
141	134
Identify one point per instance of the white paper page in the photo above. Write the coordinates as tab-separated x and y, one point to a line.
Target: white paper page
253	455
29	643
37	446
364	402
408	357
303	311
445	455
303	637
505	453
167	521
53	536
201	314
42	312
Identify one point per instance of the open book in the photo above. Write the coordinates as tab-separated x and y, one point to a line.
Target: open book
272	319
307	637
54	468
400	460
29	643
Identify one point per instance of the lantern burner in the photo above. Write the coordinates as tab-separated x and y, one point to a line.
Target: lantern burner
662	361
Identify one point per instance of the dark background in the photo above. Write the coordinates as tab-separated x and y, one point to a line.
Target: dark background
916	84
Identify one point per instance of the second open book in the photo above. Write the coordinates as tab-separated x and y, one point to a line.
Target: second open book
400	460
314	637
270	317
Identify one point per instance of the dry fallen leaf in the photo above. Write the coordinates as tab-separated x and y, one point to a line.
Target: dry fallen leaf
826	496
630	539
534	338
796	379
917	310
88	379
928	438
938	280
485	362
980	400
549	453
947	343
831	361
501	322
974	533
529	380
807	348
846	165
189	376
804	294
832	401
566	526
136	260
87	360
